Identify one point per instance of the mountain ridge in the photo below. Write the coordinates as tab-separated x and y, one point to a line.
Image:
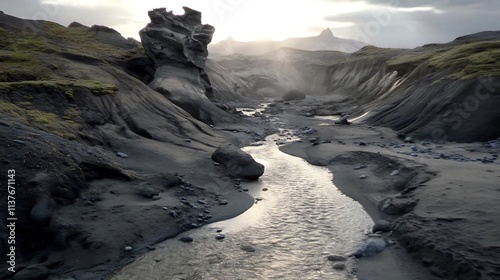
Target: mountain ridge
325	41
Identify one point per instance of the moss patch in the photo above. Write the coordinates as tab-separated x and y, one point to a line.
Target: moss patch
47	121
96	87
467	61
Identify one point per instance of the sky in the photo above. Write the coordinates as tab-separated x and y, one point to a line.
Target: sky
384	23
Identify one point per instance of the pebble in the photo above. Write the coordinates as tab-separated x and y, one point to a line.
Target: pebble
122	155
395	173
186	239
362	143
219	230
363	177
220	236
127	249
409	140
223	202
338	266
156	197
313	140
335	258
247	248
265	189
382	225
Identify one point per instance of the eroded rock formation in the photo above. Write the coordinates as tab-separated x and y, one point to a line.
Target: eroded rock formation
178	46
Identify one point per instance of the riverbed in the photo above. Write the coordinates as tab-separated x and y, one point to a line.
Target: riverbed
300	220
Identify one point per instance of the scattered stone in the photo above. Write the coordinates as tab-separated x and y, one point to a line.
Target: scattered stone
363	177
265	189
127	248
36	271
18	141
259	199
186	239
335	258
395	173
294	95
372	246
313	139
338	266
343	121
223	202
362	143
156	197
219	230
247	248
187	140
397	206
220	236
148	192
164	208
122	155
360	167
382	226
201	201
409	139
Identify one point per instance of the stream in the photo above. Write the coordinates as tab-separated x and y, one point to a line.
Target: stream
301	220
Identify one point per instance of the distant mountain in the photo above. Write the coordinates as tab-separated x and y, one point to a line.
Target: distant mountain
325	41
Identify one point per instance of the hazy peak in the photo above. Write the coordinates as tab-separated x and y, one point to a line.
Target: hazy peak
327	33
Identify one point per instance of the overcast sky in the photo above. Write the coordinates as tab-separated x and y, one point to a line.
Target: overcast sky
385	23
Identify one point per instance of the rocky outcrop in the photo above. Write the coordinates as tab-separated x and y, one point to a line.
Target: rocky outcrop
178	46
237	162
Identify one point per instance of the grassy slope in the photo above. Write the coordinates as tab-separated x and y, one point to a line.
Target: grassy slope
25	77
466	61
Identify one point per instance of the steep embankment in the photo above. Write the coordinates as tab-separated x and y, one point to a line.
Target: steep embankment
438	92
97	153
446	92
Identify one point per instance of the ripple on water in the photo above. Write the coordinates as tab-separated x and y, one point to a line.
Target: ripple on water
303	219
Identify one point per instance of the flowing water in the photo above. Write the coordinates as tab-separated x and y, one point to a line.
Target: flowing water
301	220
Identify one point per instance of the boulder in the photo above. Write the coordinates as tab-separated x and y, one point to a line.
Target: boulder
372	246
237	162
294	95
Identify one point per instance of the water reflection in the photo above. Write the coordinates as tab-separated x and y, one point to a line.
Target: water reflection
301	220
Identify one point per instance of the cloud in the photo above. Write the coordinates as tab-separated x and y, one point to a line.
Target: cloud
413	23
386	23
64	13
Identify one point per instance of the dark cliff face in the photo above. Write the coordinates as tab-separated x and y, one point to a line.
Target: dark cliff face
70	99
447	92
178	46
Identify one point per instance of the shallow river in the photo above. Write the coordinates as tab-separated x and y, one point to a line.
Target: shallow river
301	220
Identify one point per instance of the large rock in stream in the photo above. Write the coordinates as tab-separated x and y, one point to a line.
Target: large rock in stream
237	162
